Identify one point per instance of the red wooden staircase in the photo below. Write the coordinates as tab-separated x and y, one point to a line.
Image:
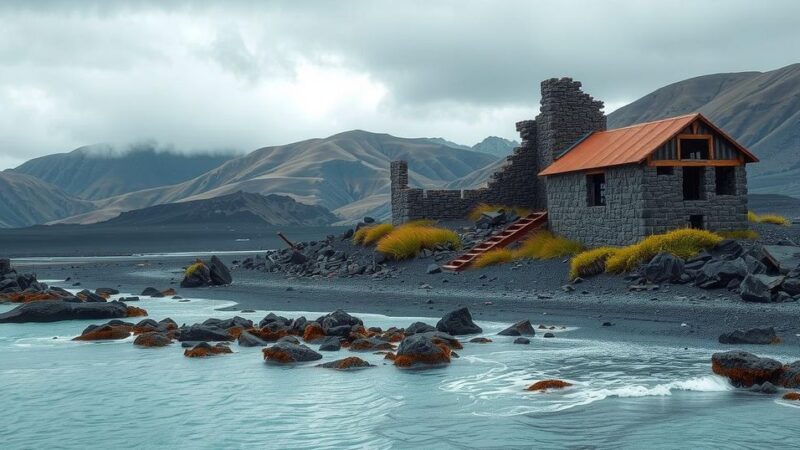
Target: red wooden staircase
514	232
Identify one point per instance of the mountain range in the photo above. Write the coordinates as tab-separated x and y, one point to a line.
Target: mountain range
347	173
239	207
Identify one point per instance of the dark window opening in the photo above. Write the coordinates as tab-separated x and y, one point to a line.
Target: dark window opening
664	170
596	189
726	180
693	183
695	148
696	221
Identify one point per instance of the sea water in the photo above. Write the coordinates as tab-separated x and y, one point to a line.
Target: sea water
61	393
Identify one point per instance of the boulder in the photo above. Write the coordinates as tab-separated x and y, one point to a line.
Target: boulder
766	388
272	317
719	272
790	376
152	292
351	363
439	337
521	328
745	369
419	327
783	258
754	288
57	310
287	352
291	339
313	332
89	296
664	267
370	344
791	286
200	332
330	344
220	275
197	275
246	339
727	249
522	340
152	339
754	266
336	319
458	322
480	340
204	349
419	350
755	336
106	292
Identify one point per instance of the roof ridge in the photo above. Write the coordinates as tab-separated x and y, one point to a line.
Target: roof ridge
682	116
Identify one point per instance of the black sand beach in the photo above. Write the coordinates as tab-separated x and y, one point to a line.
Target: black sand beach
679	314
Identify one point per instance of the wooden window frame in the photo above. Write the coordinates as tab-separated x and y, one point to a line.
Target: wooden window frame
710	142
590	191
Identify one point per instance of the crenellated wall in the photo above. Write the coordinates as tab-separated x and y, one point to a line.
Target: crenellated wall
566	115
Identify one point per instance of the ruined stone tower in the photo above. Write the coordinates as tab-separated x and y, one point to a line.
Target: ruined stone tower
567	114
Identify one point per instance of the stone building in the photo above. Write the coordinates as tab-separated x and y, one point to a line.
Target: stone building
598	186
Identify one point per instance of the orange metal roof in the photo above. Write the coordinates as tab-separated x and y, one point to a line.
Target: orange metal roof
628	145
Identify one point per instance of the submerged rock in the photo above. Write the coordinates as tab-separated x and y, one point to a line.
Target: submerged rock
419	351
521	328
350	363
200	332
204	349
57	310
480	340
458	322
370	344
545	385
105	332
756	336
287	352
522	340
330	344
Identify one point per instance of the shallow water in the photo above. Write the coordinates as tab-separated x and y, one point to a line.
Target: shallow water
60	393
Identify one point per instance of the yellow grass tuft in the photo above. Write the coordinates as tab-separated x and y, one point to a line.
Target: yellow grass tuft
198	264
476	212
590	262
739	234
683	243
376	232
492	257
407	241
360	234
768	218
545	245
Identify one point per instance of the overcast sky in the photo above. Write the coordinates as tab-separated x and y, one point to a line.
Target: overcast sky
202	76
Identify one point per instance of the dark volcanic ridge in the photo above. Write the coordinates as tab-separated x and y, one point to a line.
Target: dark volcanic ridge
239	207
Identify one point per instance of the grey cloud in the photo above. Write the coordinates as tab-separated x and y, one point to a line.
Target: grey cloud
209	75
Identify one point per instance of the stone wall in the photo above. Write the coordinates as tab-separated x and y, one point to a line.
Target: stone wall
566	115
640	202
665	209
618	222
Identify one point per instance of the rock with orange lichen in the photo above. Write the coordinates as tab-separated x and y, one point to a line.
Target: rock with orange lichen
351	363
794	396
25	297
204	349
57	310
133	311
420	351
444	338
790	375
285	352
480	340
545	385
370	344
313	332
390	356
150	325
152	339
169	292
745	369
106	332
